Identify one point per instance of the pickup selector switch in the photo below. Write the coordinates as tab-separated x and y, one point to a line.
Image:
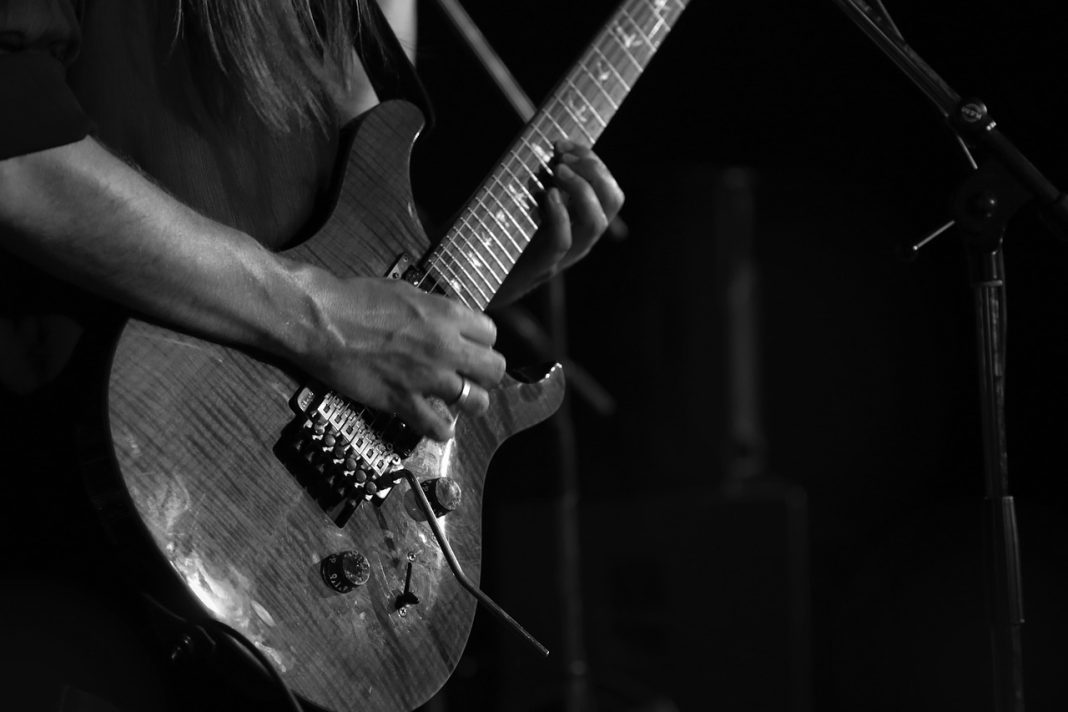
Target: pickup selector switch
345	571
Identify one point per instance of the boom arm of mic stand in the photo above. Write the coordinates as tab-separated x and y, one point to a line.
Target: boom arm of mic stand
969	118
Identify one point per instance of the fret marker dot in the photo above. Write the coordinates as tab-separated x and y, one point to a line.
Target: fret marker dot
543	155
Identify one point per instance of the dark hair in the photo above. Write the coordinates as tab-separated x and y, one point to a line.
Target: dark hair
281	55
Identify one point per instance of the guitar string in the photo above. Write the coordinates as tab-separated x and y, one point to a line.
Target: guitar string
580	81
464	221
471	256
460	235
581	85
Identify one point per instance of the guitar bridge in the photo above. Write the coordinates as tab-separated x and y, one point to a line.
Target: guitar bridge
342	453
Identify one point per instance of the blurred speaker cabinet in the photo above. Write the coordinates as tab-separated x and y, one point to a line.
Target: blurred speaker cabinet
698	600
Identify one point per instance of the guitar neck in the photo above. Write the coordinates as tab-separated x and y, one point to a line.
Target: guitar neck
473	259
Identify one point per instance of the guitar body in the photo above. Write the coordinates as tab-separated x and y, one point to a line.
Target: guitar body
194	428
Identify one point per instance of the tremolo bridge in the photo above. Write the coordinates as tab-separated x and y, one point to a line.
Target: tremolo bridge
342	453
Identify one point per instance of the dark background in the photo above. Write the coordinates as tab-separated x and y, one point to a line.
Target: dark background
853	578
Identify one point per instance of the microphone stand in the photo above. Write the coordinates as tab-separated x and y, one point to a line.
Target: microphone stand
1003	181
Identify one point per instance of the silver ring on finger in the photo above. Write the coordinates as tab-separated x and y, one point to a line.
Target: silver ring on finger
465	392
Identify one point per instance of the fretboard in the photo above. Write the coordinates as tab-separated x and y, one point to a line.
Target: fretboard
473	259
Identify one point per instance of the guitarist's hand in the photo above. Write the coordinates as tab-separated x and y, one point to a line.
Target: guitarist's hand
391	346
575	212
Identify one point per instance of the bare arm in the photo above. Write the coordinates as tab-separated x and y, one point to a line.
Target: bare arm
402	16
82	214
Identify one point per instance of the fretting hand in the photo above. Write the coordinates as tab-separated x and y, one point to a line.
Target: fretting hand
576	210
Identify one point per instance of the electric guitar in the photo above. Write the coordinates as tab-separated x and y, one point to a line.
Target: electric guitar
299	518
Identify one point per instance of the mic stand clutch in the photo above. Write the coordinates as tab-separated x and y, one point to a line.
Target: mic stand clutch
1004	180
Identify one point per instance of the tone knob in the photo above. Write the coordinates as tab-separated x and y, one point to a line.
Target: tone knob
444	494
345	571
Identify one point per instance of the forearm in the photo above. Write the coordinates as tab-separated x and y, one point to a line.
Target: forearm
403	19
85	216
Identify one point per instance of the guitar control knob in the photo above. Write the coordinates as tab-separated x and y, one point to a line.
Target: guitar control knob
345	571
444	494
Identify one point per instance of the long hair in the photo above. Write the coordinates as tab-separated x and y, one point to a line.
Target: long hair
282	56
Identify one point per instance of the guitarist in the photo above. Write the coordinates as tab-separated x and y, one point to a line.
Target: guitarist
153	156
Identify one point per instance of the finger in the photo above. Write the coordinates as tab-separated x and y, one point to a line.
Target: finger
556	237
477	401
553	239
588	217
461	394
589	167
426	420
474	402
485	366
473	325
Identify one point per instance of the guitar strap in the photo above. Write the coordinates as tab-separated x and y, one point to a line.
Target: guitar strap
392	74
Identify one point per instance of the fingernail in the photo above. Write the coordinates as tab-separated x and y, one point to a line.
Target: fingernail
565	145
568	158
564	170
554	196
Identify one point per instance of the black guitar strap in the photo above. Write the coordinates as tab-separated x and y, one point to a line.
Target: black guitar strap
392	74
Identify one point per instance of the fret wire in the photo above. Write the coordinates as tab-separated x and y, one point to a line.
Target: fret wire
490	237
626	74
456	275
448	260
522	230
535	147
489	255
427	281
574	117
526	168
522	189
517	180
597	83
658	10
626	51
645	37
612	80
519	249
459	235
612	68
486	229
476	276
493	253
437	266
582	95
665	15
499	223
473	241
546	114
460	263
643	18
680	5
471	295
500	226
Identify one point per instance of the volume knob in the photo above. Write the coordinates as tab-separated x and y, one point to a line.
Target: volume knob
444	494
345	571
